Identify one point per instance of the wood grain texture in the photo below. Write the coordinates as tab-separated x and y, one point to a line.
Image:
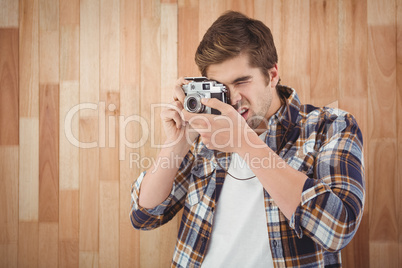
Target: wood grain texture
188	22
109	224
69	216
130	77
8	13
68	254
109	89
68	151
383	234
48	154
49	57
9	194
29	58
9	87
324	52
215	9
69	52
294	56
9	205
49	16
89	259
150	56
29	169
69	229
48	244
382	68
69	40
49	42
169	33
49	66
88	132
130	81
244	6
28	244
109	46
69	12
9	255
264	11
129	244
109	111
89	53
89	185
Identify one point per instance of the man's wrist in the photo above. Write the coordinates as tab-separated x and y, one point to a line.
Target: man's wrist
178	147
250	142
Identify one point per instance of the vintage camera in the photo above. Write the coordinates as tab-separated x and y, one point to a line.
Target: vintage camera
201	87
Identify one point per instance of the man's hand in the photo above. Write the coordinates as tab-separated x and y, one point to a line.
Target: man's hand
157	183
176	129
226	132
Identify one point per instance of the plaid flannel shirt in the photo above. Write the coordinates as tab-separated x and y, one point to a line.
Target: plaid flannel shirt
323	143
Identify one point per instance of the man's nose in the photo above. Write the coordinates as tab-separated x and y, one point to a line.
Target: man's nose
235	97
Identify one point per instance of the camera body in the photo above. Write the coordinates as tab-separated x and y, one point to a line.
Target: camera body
201	87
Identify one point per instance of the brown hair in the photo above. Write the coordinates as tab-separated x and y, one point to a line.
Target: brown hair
232	34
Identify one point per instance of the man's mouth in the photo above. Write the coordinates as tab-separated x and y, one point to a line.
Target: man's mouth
243	112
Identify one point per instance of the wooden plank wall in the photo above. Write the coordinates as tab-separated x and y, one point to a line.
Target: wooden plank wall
78	79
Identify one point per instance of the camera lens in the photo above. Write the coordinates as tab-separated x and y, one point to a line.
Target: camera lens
193	104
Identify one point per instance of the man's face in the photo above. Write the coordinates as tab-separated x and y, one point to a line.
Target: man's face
251	93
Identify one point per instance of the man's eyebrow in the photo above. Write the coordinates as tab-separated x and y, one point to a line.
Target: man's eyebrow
241	79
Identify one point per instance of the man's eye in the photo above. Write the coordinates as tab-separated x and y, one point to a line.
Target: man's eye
241	83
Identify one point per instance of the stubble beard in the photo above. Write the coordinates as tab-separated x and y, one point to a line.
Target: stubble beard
259	120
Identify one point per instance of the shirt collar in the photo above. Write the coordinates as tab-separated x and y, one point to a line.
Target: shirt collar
292	103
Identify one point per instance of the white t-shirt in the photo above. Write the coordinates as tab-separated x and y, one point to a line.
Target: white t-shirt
239	233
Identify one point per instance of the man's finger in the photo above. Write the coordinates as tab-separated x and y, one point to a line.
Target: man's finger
197	120
214	103
178	93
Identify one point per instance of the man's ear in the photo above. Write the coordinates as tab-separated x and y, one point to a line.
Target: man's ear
274	75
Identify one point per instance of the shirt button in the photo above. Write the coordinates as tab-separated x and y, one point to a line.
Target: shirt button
275	243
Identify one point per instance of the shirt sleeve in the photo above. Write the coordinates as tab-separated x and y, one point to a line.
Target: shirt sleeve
332	201
148	219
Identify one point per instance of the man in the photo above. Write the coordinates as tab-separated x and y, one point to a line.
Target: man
269	182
